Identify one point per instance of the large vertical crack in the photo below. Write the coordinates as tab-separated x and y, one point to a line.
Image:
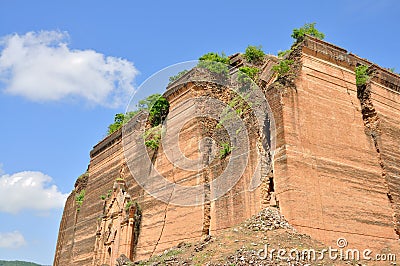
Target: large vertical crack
164	223
207	130
207	190
154	157
267	172
372	129
356	110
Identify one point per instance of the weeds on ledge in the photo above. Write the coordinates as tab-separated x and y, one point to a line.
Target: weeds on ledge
362	76
225	150
282	54
152	137
172	79
128	205
79	199
283	67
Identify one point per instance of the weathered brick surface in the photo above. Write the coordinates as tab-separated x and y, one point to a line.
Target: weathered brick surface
332	178
65	241
327	172
386	104
163	225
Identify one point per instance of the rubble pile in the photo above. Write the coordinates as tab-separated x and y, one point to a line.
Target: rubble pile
266	220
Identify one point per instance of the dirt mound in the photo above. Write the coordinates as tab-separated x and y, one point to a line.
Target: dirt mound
247	244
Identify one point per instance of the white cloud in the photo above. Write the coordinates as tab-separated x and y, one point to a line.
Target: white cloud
1	169
41	67
12	240
29	190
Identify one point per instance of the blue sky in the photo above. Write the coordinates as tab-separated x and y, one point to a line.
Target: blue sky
66	67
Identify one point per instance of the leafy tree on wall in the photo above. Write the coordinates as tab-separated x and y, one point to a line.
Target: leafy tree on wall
309	29
157	106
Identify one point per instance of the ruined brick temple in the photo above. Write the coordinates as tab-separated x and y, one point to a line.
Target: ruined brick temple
335	167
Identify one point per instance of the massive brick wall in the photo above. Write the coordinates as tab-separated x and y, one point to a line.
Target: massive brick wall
333	176
386	101
328	170
162	225
66	233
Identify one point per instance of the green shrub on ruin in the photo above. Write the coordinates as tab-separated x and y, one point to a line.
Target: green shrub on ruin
282	54
153	143
158	112
309	29
254	54
152	137
225	150
283	67
247	72
118	122
172	79
362	77
215	57
214	62
237	105
84	175
79	198
128	205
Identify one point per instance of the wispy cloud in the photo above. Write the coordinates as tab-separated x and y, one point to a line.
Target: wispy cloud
41	67
29	190
12	240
